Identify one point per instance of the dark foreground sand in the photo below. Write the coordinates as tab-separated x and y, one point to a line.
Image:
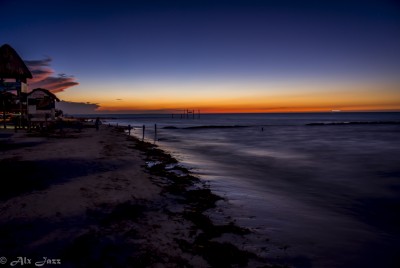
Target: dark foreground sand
89	199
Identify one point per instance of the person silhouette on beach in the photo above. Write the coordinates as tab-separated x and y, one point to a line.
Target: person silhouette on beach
97	123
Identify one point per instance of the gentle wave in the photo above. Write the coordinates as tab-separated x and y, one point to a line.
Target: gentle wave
355	123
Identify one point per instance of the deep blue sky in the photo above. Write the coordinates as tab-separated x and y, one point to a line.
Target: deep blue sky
122	43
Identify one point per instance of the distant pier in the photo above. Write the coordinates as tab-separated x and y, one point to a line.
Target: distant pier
187	114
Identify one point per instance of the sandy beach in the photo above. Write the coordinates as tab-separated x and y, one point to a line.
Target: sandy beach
88	198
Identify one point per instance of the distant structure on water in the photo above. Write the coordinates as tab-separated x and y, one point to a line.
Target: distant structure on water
186	113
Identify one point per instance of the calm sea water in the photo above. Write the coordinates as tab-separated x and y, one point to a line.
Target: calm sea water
324	195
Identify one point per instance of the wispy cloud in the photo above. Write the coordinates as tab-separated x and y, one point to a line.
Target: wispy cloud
39	63
43	76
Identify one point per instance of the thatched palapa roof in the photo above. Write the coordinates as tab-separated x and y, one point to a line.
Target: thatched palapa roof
11	64
46	92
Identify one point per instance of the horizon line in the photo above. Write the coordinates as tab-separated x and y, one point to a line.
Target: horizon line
282	112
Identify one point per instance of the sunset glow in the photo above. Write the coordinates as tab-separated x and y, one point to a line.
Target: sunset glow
245	97
215	56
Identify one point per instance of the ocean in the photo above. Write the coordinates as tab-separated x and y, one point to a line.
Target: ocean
318	189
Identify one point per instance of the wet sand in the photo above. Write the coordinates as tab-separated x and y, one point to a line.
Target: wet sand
90	198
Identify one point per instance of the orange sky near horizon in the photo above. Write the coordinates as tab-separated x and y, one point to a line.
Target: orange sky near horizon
240	97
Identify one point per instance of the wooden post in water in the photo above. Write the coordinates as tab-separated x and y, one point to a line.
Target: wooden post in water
144	127
155	133
4	113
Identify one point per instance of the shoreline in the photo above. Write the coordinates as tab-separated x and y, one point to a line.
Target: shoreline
106	198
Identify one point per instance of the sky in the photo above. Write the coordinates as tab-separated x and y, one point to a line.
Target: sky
146	56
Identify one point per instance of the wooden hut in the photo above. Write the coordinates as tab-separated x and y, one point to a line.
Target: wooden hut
13	77
12	66
41	105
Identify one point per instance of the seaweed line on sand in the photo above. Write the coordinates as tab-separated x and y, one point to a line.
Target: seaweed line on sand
197	198
159	215
170	229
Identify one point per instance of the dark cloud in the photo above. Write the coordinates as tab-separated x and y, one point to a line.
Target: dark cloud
43	76
56	84
69	107
39	63
41	72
